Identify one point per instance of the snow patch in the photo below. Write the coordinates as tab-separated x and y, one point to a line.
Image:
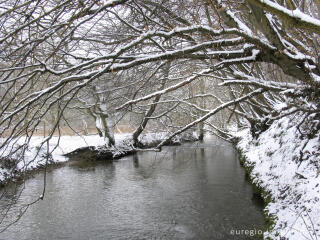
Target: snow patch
293	184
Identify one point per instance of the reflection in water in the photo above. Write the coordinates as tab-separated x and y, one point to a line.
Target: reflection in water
202	153
135	159
196	191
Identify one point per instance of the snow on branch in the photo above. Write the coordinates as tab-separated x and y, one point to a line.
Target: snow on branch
252	83
272	84
218	66
296	17
211	113
166	90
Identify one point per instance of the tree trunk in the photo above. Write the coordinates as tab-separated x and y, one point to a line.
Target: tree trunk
151	110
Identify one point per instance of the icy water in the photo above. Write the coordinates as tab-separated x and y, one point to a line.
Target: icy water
194	191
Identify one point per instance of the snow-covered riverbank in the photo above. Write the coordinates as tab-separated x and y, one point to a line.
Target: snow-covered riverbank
35	157
287	168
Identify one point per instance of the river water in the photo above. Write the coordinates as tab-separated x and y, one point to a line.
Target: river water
193	191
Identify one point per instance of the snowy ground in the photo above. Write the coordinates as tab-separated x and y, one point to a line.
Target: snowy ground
33	158
294	185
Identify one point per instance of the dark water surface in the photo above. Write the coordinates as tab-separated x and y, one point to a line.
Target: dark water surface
194	191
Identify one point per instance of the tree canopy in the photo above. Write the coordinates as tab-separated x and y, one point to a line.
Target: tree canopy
170	65
253	60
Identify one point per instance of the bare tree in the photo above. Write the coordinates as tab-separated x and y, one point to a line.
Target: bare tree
240	59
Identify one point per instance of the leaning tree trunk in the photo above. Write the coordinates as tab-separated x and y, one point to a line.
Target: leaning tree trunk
150	111
203	106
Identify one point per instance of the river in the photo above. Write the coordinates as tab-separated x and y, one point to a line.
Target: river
193	191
